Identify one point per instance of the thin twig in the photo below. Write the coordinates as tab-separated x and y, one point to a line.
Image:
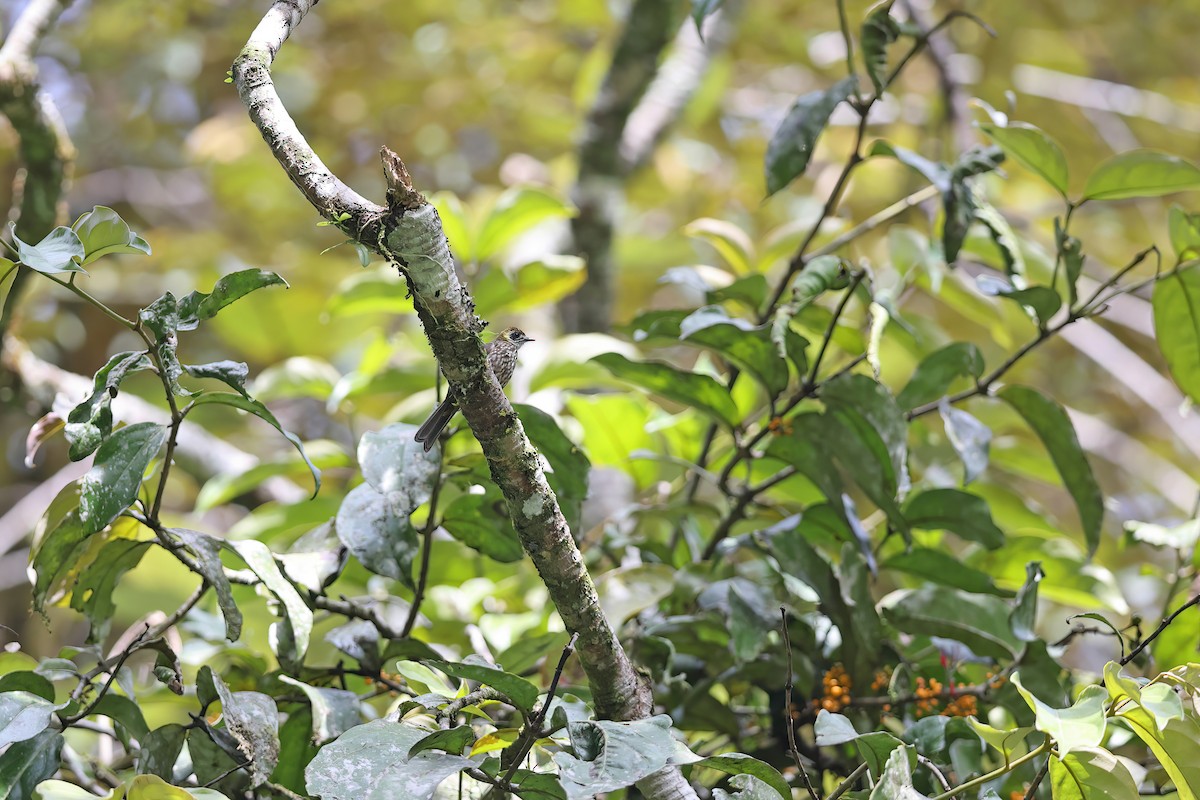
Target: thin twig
833	321
1162	626
787	709
1037	780
426	546
848	782
532	729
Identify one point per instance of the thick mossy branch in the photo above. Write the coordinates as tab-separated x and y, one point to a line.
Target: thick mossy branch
408	232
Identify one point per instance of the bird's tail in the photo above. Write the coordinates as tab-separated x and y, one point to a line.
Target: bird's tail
432	428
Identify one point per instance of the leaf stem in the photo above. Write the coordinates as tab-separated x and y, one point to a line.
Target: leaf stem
996	773
108	312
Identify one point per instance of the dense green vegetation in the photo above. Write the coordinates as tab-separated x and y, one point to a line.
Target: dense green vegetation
881	486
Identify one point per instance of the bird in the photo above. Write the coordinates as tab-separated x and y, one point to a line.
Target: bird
501	357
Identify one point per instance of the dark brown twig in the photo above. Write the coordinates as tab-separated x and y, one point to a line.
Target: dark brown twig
1162	626
787	710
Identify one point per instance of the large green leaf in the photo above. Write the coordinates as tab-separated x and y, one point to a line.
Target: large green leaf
879	30
481	521
92	591
262	412
27	763
740	764
516	688
978	621
959	512
792	145
1091	773
290	636
1141	173
198	306
939	566
1174	740
569	466
90	422
112	484
102	232
937	372
1080	725
372	762
207	552
1177	327
746	345
613	755
23	715
60	251
817	277
701	392
1034	149
1052	425
516	212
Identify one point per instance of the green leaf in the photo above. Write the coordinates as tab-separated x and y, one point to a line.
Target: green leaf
92	591
746	345
701	392
1033	149
614	427
1070	250
730	241
60	251
102	232
959	512
1176	304
939	566
27	681
1175	742
1184	230
23	715
803	446
232	373
978	621
452	740
1003	235
299	376
515	688
935	173
334	711
1141	173
1043	301
516	212
27	763
612	755
1080	725
1052	425
112	484
289	637
750	291
569	466
547	280
207	552
262	412
198	306
1024	613
792	145
740	764
372	761
90	422
874	404
970	438
160	750
937	372
818	276
833	729
879	30
701	10
481	521
1091	773
374	291
124	711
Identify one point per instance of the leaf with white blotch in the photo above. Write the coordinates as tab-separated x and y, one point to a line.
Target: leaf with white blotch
523	693
371	762
254	721
90	422
334	711
741	765
896	782
27	763
613	755
112	484
207	552
231	373
970	438
290	635
378	535
23	715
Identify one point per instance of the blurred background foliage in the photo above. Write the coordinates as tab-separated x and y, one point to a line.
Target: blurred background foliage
481	97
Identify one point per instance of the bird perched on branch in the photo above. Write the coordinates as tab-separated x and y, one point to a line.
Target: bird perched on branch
501	357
